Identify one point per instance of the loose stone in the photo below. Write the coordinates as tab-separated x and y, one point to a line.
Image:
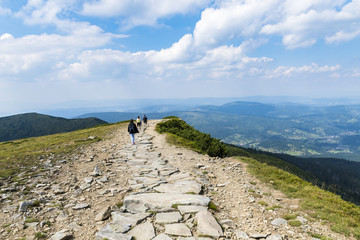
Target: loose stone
178	229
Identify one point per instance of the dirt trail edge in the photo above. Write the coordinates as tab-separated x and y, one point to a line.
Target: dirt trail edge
114	190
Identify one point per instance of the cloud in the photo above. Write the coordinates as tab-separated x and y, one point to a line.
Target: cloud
232	20
4	11
40	53
299	23
304	22
146	12
287	71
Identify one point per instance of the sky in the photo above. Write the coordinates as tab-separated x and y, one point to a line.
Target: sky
57	52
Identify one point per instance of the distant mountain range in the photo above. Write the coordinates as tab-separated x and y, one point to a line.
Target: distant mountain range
34	124
290	128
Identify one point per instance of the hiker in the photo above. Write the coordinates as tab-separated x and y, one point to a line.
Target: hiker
138	122
145	119
132	129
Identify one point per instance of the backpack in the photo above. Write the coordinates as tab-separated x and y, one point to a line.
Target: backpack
132	128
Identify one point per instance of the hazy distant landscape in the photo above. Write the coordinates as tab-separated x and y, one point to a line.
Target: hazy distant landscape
291	128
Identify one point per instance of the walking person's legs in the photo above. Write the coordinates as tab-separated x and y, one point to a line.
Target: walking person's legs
132	137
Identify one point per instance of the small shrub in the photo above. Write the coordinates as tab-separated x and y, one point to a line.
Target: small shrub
262	203
119	204
40	235
273	207
212	206
294	223
31	220
289	216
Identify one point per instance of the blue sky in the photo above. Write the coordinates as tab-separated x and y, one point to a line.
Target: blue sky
55	52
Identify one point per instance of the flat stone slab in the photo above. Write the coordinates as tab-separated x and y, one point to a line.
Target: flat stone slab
168	172
154	201
185	186
207	225
162	237
178	176
184	209
81	206
168	217
144	231
178	229
146	180
128	218
116	227
278	222
274	237
112	236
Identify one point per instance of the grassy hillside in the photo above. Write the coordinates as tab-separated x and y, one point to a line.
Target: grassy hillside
33	125
343	216
25	154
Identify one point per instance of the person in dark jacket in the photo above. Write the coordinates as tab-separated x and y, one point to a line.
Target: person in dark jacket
132	129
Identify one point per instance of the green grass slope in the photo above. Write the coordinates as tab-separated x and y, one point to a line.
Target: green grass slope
26	154
34	124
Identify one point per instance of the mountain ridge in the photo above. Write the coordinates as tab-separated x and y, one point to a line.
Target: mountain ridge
34	124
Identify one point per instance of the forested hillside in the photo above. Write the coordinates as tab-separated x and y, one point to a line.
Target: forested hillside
34	124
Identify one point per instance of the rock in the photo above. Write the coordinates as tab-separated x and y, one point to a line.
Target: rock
189	186
184	209
85	186
103	214
170	217
81	206
227	222
259	236
58	191
61	217
103	192
96	172
178	229
116	227
278	222
74	226
162	237
155	201
274	237
104	179
301	219
240	235
24	206
143	231
8	189
62	235
111	234
88	180
31	225
129	218
207	224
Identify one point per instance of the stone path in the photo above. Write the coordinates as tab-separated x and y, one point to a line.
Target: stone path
165	203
